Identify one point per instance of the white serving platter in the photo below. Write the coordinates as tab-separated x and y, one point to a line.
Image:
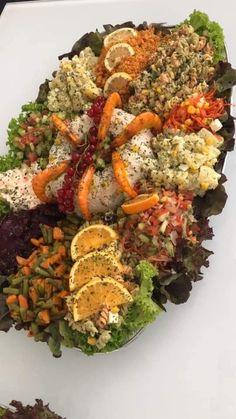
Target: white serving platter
184	365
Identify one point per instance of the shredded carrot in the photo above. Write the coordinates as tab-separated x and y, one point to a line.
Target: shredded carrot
121	174
33	295
41	180
83	191
146	120
63	128
58	234
144	44
113	101
11	299
26	270
44	317
23	302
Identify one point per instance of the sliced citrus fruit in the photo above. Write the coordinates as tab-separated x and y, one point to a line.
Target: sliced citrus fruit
140	203
97	293
93	264
116	54
119	35
118	82
92	238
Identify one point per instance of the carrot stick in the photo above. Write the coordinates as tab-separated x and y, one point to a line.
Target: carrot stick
121	175
145	120
113	101
83	191
63	128
41	180
60	270
51	260
23	303
11	299
58	234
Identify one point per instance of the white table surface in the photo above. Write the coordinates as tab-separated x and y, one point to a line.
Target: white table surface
184	365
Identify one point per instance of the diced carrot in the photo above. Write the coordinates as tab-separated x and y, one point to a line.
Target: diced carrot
60	270
33	295
21	261
62	250
63	294
41	180
26	270
11	299
44	317
48	290
51	260
58	234
44	250
23	302
36	242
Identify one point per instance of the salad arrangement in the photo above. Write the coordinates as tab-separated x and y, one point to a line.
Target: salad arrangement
109	183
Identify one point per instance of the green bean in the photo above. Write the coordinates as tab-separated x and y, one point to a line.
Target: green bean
23	312
39	337
51	271
41	271
40	290
10	290
73	219
70	231
44	305
14	307
44	233
25	289
34	328
69	237
18	280
56	246
50	237
55	283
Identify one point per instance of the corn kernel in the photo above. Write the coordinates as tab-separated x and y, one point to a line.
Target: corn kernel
158	90
197	111
209	141
145	92
191	109
205	149
204	185
92	341
115	310
206	105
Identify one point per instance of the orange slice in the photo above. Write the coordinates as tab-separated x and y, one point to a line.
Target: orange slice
92	238
140	203
94	264
97	293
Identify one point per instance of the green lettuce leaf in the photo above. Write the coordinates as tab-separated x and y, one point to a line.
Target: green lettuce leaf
211	30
